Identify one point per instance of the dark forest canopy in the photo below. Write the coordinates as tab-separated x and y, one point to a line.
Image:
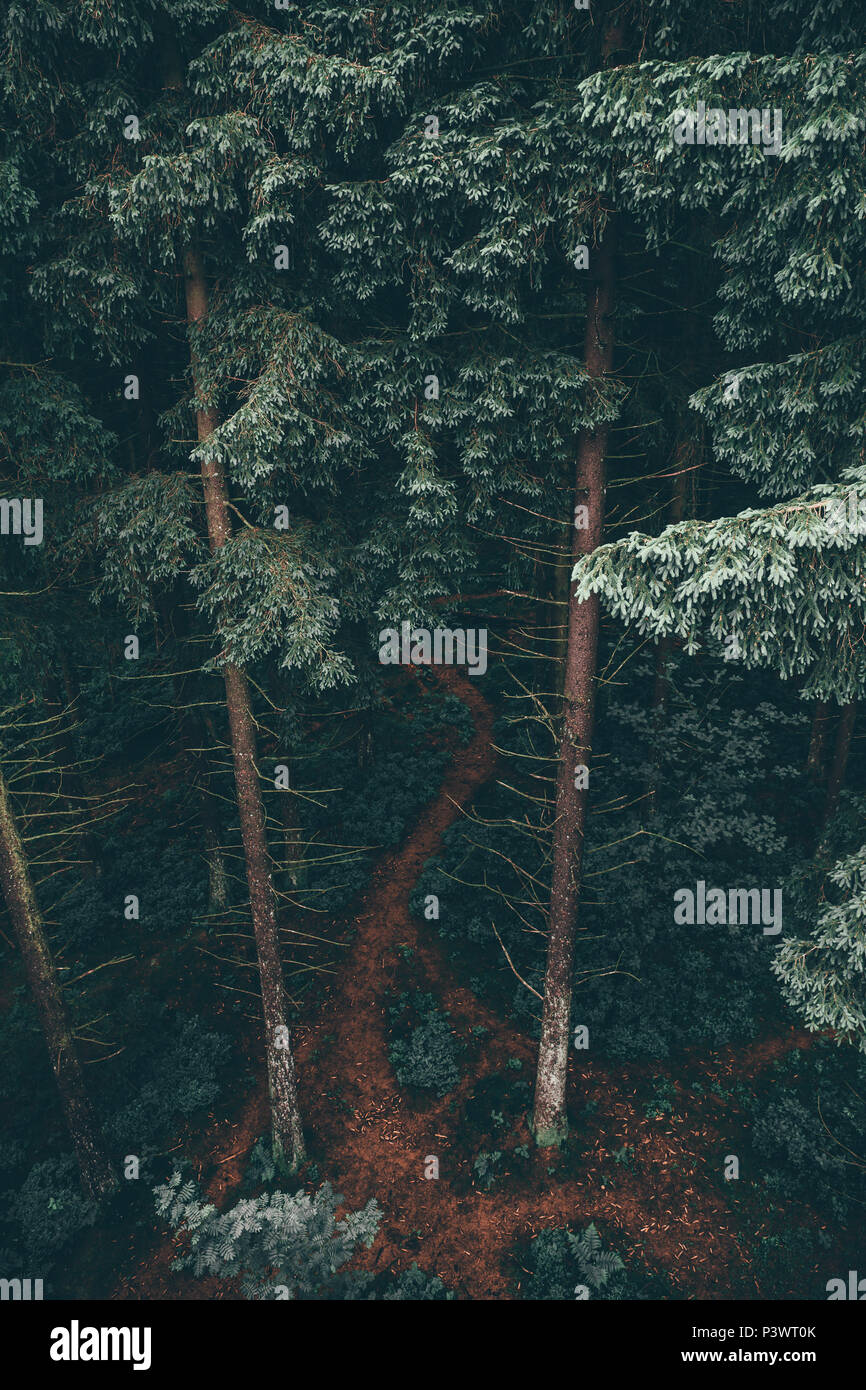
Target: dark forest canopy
432	549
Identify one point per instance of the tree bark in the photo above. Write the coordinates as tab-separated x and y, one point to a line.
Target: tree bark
579	685
293	861
818	741
665	647
287	1132
286	1129
841	749
97	1175
198	737
73	789
559	603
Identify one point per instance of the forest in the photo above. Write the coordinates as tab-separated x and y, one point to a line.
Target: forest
432	625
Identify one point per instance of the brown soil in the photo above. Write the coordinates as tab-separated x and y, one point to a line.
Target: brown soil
664	1207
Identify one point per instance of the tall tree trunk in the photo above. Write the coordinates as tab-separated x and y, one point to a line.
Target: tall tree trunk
73	789
841	749
217	875
292	862
665	647
559	605
198	738
818	741
97	1176
195	731
549	1118
287	1132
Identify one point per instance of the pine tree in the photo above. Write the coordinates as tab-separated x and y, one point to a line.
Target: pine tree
779	586
579	685
822	975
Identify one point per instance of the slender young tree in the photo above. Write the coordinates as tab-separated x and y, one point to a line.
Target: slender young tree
97	1174
287	1133
579	687
821	718
286	1127
579	683
769	585
839	764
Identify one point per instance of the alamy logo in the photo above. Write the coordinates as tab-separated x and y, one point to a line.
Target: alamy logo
855	1289
739	906
734	127
22	516
20	1289
443	646
846	514
76	1343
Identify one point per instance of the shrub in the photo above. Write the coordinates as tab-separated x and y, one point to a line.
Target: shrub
427	1055
413	1284
48	1211
561	1263
279	1245
807	1130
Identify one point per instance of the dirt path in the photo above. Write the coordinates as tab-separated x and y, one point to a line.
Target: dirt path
664	1207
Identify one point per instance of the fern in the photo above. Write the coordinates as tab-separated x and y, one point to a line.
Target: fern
279	1245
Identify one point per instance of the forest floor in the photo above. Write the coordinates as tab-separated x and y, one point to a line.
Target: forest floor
665	1207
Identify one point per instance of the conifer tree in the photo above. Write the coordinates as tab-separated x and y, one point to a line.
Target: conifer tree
579	685
777	586
822	974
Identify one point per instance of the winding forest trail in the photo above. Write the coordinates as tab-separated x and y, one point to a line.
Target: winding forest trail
666	1206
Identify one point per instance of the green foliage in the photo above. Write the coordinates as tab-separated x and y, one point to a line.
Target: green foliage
416	1286
44	1215
664	1095
824	975
807	1131
784	1263
407	256
374	805
279	1245
174	1070
774	582
563	1265
486	1167
728	809
171	1070
426	1054
165	872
